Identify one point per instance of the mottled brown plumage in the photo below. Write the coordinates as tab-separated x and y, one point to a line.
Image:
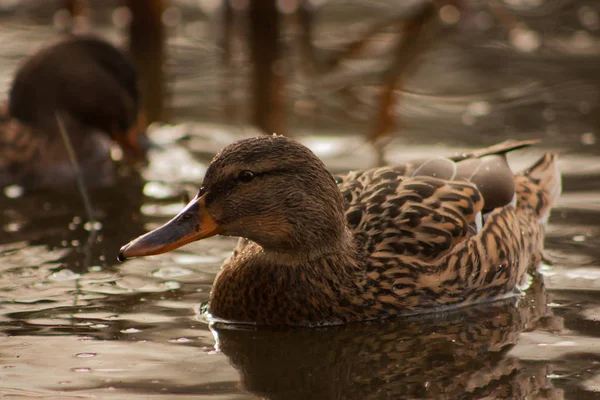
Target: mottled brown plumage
93	87
383	242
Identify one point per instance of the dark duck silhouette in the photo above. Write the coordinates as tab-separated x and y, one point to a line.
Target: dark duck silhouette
424	236
92	87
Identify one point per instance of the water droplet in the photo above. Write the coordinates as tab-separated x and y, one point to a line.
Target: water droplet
579	238
12	227
525	40
85	355
556	376
99	326
172	285
75	243
588	139
64	275
130	330
81	369
180	340
479	108
13	191
195	259
158	190
171	272
92	226
449	14
116	153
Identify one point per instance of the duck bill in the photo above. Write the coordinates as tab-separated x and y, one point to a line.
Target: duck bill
135	142
191	224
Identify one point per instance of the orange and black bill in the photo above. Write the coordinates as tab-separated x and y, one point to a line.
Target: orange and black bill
191	224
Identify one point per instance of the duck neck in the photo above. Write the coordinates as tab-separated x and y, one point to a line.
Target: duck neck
341	247
268	287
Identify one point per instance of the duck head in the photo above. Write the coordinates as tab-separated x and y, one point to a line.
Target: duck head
87	80
271	190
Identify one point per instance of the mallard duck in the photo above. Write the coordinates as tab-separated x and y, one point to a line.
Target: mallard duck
92	86
414	238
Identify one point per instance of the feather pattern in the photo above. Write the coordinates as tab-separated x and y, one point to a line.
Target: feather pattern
411	238
416	232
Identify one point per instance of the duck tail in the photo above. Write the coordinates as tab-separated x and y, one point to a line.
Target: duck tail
539	186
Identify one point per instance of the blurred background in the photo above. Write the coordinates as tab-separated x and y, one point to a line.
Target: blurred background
425	70
361	82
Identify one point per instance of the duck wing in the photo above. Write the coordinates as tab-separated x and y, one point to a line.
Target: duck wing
420	216
35	158
424	207
424	242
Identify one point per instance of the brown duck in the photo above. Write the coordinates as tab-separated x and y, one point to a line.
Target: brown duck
420	237
93	87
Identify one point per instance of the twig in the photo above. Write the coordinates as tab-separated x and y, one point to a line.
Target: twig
78	175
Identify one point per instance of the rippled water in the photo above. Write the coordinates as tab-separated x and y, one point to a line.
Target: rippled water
74	323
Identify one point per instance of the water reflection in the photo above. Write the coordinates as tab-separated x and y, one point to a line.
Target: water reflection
75	324
458	355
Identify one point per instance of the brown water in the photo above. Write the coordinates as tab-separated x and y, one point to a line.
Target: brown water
75	324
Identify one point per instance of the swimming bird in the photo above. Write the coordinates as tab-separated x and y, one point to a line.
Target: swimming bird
92	87
423	236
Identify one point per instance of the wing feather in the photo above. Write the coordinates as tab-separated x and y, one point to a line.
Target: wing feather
420	216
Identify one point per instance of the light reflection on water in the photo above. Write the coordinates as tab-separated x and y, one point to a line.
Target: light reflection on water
83	325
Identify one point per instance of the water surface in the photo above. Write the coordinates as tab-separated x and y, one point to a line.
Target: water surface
75	324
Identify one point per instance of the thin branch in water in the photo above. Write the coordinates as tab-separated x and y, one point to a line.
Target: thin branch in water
73	159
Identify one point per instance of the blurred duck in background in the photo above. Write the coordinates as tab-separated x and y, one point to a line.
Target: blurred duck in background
90	86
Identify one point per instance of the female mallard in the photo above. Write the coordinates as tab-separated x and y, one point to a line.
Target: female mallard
92	86
388	241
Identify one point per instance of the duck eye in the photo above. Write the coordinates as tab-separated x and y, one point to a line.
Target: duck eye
246	176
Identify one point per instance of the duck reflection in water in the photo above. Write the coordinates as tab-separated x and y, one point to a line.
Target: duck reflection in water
460	355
